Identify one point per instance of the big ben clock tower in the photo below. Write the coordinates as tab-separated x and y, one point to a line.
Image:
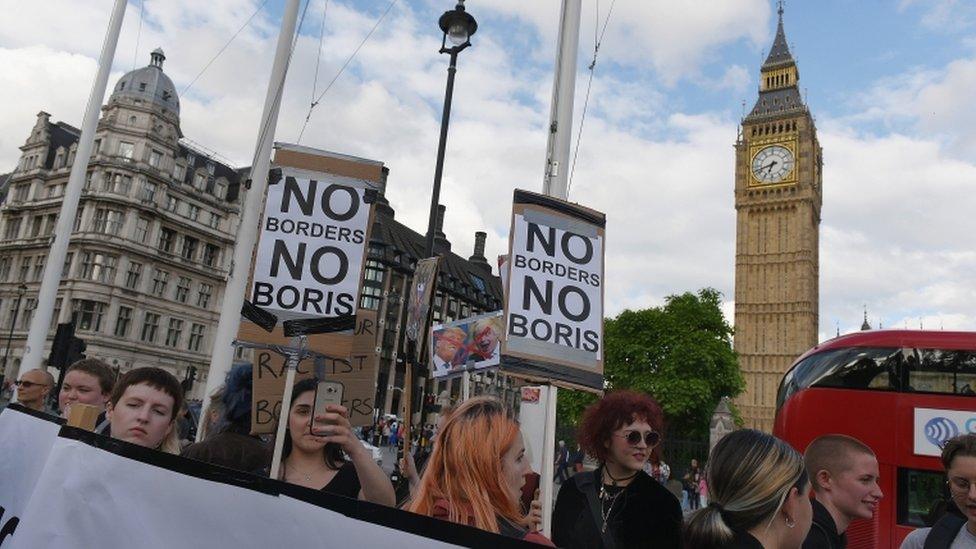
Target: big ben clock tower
778	195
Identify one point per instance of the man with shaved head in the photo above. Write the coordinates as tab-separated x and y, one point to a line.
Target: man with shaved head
33	388
844	474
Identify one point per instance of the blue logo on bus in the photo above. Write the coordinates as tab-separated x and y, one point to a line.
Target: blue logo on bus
939	430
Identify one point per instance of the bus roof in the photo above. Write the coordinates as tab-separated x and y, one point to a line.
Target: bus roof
922	339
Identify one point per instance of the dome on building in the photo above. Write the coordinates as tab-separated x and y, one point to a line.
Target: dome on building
149	83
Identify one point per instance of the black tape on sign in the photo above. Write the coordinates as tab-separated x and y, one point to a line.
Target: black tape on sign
309	326
370	196
259	316
274	176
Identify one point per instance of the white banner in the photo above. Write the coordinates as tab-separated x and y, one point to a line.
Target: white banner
934	427
20	469
313	242
87	490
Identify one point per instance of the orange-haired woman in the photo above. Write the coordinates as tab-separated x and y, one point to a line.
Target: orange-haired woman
476	472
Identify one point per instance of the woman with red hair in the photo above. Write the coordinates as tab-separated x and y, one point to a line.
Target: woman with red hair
476	472
618	506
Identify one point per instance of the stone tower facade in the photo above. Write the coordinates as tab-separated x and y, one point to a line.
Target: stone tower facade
778	195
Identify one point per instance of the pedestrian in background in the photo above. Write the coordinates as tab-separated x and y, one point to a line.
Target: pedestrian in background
562	463
760	496
618	506
33	387
88	381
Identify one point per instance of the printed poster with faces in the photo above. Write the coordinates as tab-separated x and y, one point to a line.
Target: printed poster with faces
473	343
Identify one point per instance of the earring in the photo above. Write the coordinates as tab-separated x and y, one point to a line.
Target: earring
790	523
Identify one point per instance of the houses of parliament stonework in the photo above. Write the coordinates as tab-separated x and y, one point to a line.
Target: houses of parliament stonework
778	195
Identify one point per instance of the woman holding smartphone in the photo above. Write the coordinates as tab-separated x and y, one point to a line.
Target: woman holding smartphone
316	450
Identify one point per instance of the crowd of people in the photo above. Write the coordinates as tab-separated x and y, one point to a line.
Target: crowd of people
756	491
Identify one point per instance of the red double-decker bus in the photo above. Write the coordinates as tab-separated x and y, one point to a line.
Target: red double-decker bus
903	393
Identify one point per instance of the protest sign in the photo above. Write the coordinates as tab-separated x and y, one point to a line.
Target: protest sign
202	505
476	340
554	292
312	250
29	435
352	361
422	290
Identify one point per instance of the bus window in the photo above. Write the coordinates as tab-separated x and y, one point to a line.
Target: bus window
921	497
942	371
850	368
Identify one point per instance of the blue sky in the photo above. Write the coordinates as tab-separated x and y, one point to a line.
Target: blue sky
888	82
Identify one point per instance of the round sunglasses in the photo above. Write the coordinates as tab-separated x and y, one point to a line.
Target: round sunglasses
651	438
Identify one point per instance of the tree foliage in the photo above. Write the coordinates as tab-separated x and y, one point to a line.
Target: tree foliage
680	353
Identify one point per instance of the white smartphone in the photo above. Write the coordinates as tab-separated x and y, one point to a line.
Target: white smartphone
326	393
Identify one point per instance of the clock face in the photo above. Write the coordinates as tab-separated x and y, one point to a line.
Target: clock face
772	164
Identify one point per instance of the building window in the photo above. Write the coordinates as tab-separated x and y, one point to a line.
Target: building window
155	158
108	221
51	224
97	147
98	267
160	280
142	230
21	192
182	289
179	172
126	150
370	298
210	254
148	191
5	262
87	314
200	181
12	230
56	316
117	183
39	268
123	321
374	271
214	220
196	337
58	159
150	325
203	299
189	250
37	223
132	275
30	304
66	268
174	332
55	190
172	203
77	225
166	239
193	212
24	268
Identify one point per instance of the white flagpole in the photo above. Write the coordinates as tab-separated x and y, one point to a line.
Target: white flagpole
563	93
230	311
40	324
555	184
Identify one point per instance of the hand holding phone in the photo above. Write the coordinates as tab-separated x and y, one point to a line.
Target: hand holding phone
326	393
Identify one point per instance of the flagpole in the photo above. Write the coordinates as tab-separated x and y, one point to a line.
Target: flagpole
41	322
555	184
230	311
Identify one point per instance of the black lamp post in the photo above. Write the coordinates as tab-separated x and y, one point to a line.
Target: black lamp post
21	290
458	26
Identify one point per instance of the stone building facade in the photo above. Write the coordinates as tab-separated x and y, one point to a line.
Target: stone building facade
152	239
778	196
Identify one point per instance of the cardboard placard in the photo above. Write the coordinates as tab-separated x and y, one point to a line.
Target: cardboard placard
352	360
422	289
554	292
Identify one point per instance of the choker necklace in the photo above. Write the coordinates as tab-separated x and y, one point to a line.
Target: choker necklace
614	481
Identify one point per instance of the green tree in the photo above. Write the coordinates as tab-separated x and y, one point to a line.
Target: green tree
680	353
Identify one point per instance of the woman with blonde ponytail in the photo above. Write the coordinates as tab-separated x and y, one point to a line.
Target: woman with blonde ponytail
759	496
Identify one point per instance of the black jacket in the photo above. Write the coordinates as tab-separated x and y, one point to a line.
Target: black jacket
823	532
648	515
233	448
743	540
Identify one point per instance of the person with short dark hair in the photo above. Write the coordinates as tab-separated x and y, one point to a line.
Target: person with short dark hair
957	528
232	444
844	475
33	388
88	381
143	407
618	505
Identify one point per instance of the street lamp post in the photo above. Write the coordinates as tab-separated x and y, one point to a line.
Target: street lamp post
458	26
21	290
